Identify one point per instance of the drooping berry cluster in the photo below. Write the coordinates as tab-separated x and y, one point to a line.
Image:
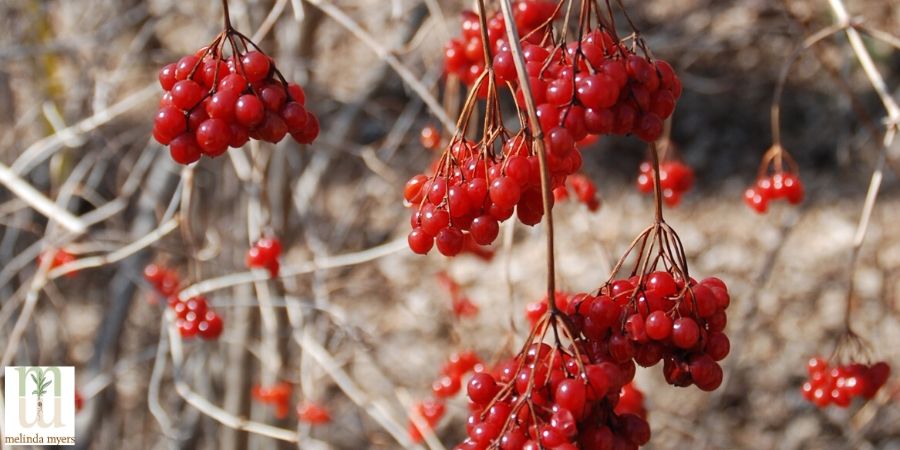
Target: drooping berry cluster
774	181
313	413
61	257
585	191
277	395
578	396
840	384
548	397
596	86
665	320
194	316
462	305
464	56
213	102
675	178
473	190
264	254
774	187
592	86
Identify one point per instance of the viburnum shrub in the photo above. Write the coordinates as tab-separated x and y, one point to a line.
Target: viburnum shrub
774	181
277	395
264	254
675	177
562	389
194	316
214	100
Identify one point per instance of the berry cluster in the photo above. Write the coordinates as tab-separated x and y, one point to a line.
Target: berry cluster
593	86
278	395
783	185
313	413
547	397
60	258
840	384
212	102
264	254
585	191
447	385
194	316
464	56
568	395
675	178
665	319
596	86
462	305
473	191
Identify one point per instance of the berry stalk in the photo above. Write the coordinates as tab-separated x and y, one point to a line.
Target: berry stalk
515	46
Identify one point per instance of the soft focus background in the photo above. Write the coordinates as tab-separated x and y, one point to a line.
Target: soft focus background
77	95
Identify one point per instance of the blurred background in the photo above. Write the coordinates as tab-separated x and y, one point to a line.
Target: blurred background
365	334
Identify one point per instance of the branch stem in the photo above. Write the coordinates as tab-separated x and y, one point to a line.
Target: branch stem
515	45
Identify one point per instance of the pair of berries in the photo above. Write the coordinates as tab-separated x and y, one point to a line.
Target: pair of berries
277	395
194	316
164	280
675	178
431	411
212	103
462	305
450	380
585	191
782	185
445	386
842	383
264	254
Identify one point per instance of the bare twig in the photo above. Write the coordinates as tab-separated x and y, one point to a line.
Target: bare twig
292	270
383	53
38	201
46	147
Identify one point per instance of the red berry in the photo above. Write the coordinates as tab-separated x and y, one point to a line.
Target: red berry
249	110
254	66
449	241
